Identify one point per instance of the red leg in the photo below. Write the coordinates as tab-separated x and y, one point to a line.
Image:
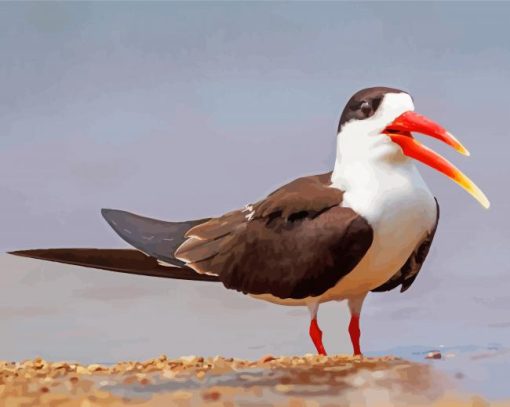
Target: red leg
316	335
355	333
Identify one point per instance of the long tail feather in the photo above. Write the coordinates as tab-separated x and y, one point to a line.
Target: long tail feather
121	260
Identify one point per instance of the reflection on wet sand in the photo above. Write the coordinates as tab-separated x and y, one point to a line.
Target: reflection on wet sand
192	381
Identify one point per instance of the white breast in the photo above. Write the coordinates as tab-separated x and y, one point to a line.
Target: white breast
401	210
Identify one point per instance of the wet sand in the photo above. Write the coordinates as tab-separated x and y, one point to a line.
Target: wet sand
193	381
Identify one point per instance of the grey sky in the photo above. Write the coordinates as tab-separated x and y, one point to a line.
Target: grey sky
181	111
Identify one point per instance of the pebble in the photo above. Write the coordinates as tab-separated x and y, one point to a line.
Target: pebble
95	368
283	388
82	370
192	359
267	358
211	395
433	355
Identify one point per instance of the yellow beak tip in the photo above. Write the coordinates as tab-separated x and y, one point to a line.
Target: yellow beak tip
483	200
459	147
463	150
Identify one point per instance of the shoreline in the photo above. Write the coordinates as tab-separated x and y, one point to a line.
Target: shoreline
297	381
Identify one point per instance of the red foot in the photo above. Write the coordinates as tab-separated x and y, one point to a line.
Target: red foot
355	333
316	335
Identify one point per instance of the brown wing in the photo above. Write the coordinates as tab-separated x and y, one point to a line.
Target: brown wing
296	243
408	273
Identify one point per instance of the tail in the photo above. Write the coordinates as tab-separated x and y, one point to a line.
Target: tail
121	260
155	238
155	241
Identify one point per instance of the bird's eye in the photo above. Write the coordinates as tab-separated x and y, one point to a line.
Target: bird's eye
365	108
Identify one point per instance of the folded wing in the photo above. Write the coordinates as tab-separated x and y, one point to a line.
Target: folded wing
296	243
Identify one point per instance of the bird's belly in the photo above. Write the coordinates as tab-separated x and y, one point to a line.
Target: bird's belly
284	301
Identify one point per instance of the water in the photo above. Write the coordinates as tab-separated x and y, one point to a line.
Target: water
476	369
62	312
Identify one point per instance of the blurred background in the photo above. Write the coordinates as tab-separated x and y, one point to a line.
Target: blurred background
186	110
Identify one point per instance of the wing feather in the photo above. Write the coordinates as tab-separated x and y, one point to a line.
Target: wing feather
217	227
296	243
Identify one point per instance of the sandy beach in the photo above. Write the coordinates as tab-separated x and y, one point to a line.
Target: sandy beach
217	381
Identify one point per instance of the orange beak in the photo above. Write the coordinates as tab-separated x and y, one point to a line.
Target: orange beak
400	133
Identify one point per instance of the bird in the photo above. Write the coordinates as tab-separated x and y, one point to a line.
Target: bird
366	226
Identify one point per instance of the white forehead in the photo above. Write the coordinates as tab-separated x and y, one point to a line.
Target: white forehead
394	104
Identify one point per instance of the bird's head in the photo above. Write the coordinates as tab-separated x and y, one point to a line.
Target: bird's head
377	124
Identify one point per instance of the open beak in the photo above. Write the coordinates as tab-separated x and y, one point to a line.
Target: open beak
400	133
